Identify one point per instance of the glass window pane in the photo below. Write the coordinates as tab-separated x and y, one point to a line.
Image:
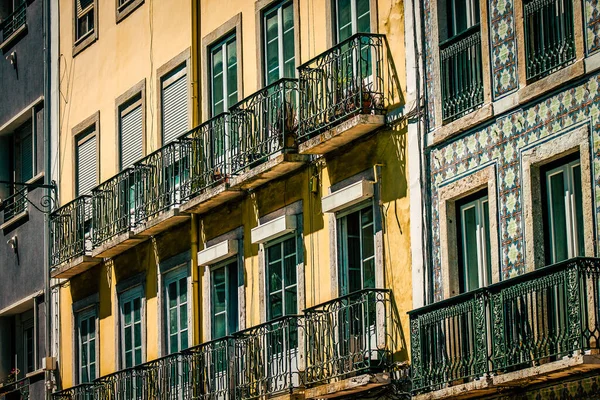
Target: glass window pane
184	339
577	194
219	326
172	292
276	306
127	313
364	16
128	341
288	17
219	291
183	316
183	290
558	218
128	359
275	278
137	335
291	302
369	273
469	248
344	19
173	321
137	309
138	357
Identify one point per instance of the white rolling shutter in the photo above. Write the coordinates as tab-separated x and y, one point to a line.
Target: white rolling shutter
87	165
131	137
174	105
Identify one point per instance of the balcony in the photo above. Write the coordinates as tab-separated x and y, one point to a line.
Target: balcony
462	77
13	24
268	359
71	238
210	173
15	207
539	326
342	94
549	36
196	373
349	344
263	136
19	389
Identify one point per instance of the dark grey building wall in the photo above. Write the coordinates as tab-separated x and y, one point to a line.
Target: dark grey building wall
21	86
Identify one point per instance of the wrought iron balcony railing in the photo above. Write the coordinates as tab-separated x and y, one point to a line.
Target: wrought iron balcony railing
349	335
462	77
263	124
268	358
71	230
14	21
18	389
549	36
159	178
209	152
15	204
342	82
199	373
113	205
536	318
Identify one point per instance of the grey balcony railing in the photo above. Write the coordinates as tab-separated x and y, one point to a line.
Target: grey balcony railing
14	21
196	373
15	204
18	389
349	335
342	82
536	318
209	155
70	230
462	77
268	358
549	36
159	178
113	205
263	124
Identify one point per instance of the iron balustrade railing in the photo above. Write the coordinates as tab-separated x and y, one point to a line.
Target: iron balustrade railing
349	335
209	152
199	373
536	318
10	389
14	21
159	178
113	205
462	76
71	230
342	82
263	124
268	358
15	204
549	36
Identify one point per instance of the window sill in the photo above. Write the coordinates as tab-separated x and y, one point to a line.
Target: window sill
127	8
32	374
35	179
16	218
13	37
551	82
468	121
84	42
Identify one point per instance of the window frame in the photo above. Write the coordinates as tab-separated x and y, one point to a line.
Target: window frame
82	42
80	133
217	266
26	325
277	7
86	313
125	102
124	297
280	242
335	32
176	275
122	11
222	45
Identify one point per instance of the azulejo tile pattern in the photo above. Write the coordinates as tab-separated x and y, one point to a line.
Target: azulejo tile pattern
582	389
503	47
499	144
428	50
592	18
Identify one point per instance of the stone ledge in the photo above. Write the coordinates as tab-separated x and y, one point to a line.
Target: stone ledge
455	127
74	267
551	82
118	245
161	222
14	220
349	386
276	166
209	199
341	134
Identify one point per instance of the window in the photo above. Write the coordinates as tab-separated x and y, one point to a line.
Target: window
356	250
86	344
549	36
223	75
351	17
131	327
131	133
174	97
86	162
282	285
224	300
24	152
176	293
278	35
126	7
462	15
29	345
474	242
564	211
85	21
13	14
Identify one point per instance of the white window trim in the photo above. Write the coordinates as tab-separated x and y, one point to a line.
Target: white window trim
278	242
86	313
277	9
222	46
211	268
170	277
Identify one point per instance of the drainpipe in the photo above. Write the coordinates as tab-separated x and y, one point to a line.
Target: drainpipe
49	192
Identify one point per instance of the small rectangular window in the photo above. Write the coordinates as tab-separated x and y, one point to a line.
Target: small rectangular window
131	140
278	35
176	312
223	75
86	345
86	162
174	97
352	17
474	242
462	15
356	250
224	300
131	327
84	18
282	283
564	211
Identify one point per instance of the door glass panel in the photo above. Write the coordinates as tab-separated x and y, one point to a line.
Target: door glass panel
577	194
470	256
344	19
558	217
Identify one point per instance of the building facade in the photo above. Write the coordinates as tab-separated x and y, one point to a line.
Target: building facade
234	217
509	299
22	306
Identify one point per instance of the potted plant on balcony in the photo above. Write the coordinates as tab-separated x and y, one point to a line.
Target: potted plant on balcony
12	376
